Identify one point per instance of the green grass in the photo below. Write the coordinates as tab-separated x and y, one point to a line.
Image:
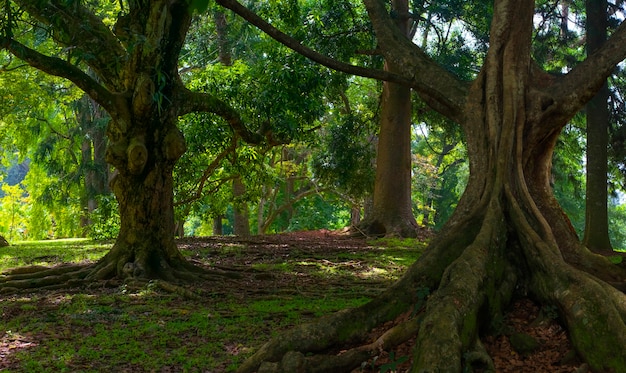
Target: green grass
125	329
50	252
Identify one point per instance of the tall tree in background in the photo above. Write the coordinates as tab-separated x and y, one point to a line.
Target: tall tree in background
391	213
596	236
92	120
507	231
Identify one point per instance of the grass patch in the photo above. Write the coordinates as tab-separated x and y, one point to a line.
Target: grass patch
51	252
127	329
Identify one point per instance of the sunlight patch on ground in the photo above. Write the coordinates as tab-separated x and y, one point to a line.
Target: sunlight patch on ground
374	272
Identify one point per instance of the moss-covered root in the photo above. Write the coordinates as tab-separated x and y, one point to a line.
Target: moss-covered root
337	329
43	278
346	361
450	326
594	312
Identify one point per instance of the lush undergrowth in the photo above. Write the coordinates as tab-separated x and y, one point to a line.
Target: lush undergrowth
126	328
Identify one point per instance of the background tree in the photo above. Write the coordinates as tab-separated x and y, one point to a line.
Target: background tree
391	212
596	236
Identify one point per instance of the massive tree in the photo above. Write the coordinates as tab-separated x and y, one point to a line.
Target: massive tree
507	233
134	75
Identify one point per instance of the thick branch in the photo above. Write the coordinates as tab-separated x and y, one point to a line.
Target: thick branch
574	90
440	89
295	45
58	67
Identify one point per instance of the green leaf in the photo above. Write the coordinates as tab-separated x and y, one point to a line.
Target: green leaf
199	5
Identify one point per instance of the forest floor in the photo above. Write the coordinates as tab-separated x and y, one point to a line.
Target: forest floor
285	280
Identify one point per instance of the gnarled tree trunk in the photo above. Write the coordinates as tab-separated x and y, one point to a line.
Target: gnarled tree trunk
507	236
136	65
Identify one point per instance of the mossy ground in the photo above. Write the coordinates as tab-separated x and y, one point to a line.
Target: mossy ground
285	280
122	327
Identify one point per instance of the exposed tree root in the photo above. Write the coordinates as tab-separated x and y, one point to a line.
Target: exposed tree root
470	268
352	327
373	227
71	276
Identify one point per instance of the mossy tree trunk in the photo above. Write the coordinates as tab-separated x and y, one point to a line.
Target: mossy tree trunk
508	234
135	64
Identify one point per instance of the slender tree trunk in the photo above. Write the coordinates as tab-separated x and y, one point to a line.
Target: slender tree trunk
392	210
218	229
240	209
596	236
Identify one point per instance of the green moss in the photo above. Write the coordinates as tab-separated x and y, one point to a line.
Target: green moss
523	343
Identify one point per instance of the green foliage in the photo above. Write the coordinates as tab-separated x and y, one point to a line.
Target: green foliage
569	178
617	225
13	219
344	157
199	6
105	219
440	170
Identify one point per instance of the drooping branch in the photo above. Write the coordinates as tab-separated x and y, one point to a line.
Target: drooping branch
61	68
207	173
191	102
298	47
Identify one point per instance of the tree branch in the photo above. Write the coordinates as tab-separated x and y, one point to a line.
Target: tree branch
439	88
296	46
576	88
58	67
205	102
207	173
78	27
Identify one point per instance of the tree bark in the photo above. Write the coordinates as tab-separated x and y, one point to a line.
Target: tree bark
392	213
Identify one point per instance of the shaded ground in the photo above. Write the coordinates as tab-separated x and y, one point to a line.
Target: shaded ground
285	280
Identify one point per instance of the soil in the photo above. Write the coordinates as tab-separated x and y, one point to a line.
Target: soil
552	353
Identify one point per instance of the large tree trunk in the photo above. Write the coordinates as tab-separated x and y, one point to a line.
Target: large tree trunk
144	189
392	213
508	237
596	236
